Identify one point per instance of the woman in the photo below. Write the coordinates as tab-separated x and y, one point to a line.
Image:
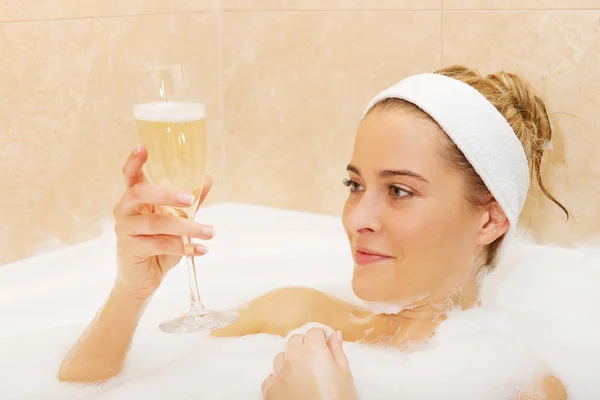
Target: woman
431	202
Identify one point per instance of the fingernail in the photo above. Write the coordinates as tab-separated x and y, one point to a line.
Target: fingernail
137	150
340	337
186	198
208	231
200	249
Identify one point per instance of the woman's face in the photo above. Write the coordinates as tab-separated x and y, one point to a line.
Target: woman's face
415	239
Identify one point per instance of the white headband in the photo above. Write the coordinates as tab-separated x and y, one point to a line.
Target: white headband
477	128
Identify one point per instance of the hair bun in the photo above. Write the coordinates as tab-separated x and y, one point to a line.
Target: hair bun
526	113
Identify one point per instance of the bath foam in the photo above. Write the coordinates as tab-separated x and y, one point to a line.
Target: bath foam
380	307
172	111
303	330
389	307
539	316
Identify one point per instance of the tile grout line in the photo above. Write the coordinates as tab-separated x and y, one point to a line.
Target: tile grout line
330	9
442	13
223	132
470	10
103	17
473	10
491	10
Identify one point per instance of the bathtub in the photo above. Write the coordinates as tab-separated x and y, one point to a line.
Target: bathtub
540	311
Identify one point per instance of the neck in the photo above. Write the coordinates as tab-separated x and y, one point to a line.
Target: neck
419	323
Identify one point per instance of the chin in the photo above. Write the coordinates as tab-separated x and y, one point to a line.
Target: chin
368	288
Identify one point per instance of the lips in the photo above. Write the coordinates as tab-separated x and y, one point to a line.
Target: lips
364	256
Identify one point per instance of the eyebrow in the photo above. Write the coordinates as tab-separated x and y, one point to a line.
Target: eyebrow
386	173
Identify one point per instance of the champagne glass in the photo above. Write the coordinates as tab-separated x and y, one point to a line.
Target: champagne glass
173	129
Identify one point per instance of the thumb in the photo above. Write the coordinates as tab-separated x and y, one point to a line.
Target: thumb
208	182
335	346
133	168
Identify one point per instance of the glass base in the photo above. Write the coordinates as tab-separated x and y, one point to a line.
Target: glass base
199	321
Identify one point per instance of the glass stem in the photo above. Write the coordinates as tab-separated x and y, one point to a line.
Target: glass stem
196	303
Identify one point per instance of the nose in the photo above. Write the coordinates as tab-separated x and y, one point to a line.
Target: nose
363	216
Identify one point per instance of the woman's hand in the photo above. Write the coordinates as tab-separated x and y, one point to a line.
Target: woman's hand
311	368
149	244
149	233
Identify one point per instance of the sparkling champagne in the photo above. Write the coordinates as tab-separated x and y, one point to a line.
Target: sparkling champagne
175	135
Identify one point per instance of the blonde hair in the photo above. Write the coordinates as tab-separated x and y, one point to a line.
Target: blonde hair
525	112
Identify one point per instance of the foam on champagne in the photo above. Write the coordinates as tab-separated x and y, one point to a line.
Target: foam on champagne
169	111
175	135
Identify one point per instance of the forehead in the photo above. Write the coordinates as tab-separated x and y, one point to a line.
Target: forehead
398	140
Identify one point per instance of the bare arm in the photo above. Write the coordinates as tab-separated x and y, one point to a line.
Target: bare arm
100	352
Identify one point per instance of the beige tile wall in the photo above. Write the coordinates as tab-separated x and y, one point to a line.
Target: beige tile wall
68	87
562	5
559	53
285	82
294	84
330	5
49	10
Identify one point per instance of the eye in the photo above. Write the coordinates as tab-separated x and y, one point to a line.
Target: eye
398	193
353	185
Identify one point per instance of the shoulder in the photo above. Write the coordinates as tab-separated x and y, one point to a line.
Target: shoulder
280	311
290	293
547	388
286	300
290	307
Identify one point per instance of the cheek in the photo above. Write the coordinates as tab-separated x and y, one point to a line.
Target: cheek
431	231
433	250
411	230
439	249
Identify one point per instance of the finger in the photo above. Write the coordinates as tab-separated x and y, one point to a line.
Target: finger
278	362
266	383
132	169
162	224
148	246
316	338
294	343
145	193
335	346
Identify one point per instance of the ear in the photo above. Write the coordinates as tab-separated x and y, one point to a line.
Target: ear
493	223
